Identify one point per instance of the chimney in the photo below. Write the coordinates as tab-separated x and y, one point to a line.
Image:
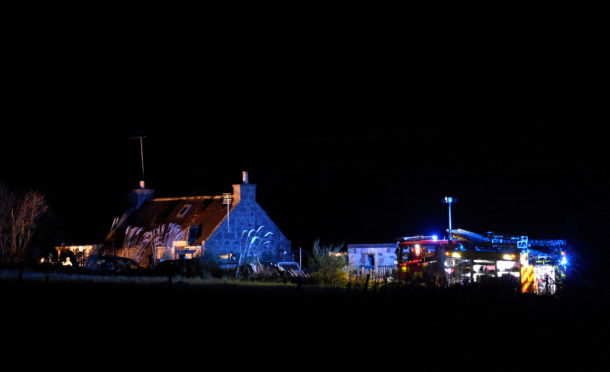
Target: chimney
244	191
140	195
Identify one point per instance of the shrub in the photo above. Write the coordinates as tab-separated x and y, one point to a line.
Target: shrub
328	264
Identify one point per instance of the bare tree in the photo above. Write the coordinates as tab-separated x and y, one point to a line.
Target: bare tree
20	213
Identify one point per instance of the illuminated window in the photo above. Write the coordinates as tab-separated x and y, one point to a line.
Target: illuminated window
226	256
184	210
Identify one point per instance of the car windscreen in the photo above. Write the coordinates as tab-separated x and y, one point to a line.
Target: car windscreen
289	267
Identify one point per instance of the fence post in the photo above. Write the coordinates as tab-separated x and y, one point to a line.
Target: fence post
385	285
366	283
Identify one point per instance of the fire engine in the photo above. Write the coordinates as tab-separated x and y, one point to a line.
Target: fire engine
537	266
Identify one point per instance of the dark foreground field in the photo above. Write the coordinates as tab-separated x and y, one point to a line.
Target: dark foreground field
105	325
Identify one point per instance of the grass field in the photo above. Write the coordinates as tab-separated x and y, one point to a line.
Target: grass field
227	320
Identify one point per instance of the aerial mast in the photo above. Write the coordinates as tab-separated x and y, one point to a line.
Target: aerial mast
227	199
141	138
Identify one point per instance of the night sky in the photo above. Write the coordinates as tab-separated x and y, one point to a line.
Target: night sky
351	136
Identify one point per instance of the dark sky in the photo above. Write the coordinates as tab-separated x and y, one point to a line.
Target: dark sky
351	135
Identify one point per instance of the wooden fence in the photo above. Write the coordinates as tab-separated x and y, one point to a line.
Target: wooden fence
377	272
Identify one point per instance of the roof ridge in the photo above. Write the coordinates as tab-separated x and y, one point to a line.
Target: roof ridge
204	197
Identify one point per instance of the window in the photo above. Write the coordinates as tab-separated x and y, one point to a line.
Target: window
194	233
370	260
184	210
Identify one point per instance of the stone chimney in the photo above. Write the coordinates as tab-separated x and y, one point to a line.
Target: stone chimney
139	196
245	191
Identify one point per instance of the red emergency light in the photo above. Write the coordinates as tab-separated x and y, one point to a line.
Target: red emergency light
426	242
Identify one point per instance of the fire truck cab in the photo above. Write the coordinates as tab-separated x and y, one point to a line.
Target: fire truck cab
421	258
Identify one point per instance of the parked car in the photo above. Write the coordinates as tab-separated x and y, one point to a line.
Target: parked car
112	265
186	268
290	269
266	270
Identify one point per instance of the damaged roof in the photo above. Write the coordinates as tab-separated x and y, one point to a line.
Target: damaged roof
205	211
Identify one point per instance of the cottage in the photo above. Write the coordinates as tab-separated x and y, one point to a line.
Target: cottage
225	226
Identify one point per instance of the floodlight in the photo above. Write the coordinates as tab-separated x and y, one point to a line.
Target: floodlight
449	200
